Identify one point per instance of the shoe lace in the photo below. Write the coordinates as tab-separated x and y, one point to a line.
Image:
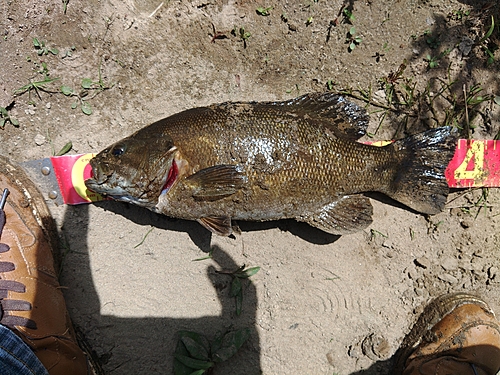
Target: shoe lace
8	305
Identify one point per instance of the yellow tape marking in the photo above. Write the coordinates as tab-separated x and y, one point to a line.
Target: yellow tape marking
77	179
477	151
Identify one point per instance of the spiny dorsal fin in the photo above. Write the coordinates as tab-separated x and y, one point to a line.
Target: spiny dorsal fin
344	117
216	182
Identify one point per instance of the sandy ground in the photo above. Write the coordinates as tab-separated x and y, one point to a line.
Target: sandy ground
320	304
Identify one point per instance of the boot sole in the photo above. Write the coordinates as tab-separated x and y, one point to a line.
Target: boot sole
433	313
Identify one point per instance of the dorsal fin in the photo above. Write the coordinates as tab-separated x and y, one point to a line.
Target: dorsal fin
345	118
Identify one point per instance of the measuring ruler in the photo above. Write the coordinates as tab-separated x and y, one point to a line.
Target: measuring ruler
476	163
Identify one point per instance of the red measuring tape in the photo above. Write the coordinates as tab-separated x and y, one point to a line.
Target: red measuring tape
476	163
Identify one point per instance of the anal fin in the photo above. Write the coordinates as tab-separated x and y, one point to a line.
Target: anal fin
349	214
219	225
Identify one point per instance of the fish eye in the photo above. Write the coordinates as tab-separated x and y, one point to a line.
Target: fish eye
118	150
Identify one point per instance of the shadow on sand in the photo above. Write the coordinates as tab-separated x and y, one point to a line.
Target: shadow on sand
147	345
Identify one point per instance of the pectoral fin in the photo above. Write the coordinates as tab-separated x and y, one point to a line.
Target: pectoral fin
349	214
218	225
216	182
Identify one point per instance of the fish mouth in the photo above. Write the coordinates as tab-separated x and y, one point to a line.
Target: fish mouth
108	186
104	188
100	183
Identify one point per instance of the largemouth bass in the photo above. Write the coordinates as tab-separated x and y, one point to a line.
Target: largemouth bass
273	160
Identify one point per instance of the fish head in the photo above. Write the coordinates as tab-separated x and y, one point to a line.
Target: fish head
137	169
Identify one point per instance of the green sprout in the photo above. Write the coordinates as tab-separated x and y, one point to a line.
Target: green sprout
352	39
65	5
5	117
236	284
431	40
196	355
263	11
88	85
433	61
244	35
349	16
488	47
37	86
69	52
458	15
42	49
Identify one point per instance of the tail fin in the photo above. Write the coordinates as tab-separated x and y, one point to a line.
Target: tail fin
420	183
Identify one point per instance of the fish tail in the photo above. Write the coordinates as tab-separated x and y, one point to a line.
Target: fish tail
420	182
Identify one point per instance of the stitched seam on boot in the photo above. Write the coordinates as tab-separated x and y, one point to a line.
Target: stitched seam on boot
20	247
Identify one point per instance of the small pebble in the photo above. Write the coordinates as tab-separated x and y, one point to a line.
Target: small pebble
446	277
492	272
413	274
466	223
449	264
39	139
423	262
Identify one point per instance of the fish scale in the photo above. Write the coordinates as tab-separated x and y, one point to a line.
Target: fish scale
273	160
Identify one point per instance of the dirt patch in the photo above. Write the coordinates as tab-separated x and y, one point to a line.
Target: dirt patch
320	304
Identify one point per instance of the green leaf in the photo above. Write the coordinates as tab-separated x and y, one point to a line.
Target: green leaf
86	108
196	349
40	52
66	148
239	303
14	121
2	123
36	43
497	99
231	343
179	368
352	46
247	273
235	287
198	372
74	105
490	31
86	83
263	11
216	343
352	30
193	363
54	51
66	90
349	15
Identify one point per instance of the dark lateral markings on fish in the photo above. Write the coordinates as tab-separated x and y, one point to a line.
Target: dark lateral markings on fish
262	161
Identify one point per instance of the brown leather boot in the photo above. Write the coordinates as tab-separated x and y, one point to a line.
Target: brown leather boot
456	334
31	302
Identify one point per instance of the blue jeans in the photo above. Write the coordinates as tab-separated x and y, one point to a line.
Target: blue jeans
16	357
